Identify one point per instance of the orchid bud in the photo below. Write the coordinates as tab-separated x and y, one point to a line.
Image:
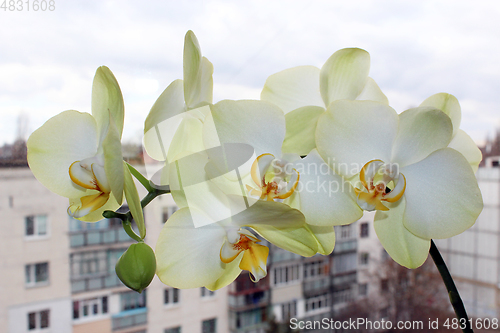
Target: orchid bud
137	266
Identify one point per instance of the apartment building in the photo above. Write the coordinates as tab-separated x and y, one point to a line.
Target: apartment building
473	257
57	273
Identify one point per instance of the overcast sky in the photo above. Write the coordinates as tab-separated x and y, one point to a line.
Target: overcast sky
418	48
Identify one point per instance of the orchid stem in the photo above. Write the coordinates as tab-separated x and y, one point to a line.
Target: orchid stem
127	217
455	299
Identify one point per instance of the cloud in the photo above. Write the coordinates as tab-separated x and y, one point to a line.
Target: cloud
417	49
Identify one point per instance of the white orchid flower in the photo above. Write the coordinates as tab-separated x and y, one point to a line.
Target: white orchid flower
306	184
173	127
214	254
304	93
78	155
460	141
403	169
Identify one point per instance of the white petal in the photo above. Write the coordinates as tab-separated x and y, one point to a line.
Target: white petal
168	105
257	123
449	105
107	100
300	129
113	161
464	144
352	133
442	195
297	240
421	131
189	257
372	92
344	75
404	247
325	198
198	83
293	88
325	237
231	272
68	137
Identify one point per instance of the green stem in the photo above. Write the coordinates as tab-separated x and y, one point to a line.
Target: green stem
127	217
455	299
140	178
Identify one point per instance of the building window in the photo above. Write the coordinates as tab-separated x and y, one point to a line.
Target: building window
363	289
37	274
345	231
38	320
206	293
88	263
363	233
384	285
318	302
209	326
171	296
131	300
90	307
167	212
35	226
363	258
289	310
315	268
286	274
173	330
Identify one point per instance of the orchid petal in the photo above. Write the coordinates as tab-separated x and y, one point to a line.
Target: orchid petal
442	195
300	129
368	126
372	92
464	144
133	200
298	240
231	272
257	123
404	247
421	131
198	82
113	161
293	88
326	199
107	101
325	238
189	257
255	261
344	75
68	137
449	105
167	106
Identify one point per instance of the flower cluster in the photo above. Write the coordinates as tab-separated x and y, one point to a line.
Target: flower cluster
318	149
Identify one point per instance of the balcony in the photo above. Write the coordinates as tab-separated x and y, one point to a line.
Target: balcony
129	318
249	301
95	283
98	237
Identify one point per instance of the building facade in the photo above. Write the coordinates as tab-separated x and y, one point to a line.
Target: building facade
58	273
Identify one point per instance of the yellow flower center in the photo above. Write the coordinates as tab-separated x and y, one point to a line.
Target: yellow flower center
90	175
274	178
254	255
380	182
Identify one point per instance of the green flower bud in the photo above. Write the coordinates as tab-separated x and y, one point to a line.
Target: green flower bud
137	266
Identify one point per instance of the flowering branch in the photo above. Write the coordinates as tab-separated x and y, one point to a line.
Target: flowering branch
455	299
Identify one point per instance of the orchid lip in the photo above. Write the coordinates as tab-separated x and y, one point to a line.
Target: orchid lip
90	175
275	180
254	257
380	183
